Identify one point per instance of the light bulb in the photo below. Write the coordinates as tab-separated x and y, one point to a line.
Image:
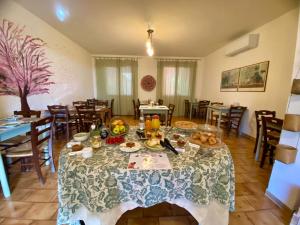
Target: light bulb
148	44
150	51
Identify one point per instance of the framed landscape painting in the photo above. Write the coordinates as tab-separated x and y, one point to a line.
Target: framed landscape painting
253	77
230	80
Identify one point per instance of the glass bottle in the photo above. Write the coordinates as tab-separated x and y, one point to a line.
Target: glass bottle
148	125
142	123
95	138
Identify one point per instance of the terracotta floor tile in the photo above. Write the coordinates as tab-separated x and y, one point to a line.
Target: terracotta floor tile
13	209
41	211
239	218
143	221
41	196
163	209
174	220
15	222
282	214
263	217
242	189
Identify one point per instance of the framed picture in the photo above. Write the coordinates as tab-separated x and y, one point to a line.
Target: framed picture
253	77
230	80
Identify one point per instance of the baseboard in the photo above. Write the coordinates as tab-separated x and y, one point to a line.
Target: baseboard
278	202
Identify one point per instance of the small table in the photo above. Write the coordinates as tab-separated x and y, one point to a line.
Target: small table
5	134
217	108
156	109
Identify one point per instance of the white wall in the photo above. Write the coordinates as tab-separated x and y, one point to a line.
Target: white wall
71	64
276	44
284	183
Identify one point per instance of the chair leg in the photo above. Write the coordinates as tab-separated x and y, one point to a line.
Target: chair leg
271	160
38	169
50	152
263	158
256	141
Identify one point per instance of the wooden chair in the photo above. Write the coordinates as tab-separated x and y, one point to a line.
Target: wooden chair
160	102
234	118
78	103
271	134
202	109
135	109
213	115
41	137
87	116
62	119
91	102
101	103
170	114
112	106
258	117
20	139
187	108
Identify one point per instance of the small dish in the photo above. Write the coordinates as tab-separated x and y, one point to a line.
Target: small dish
81	136
124	147
153	147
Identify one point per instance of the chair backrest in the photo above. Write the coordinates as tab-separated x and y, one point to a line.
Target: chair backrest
59	112
203	103
78	103
101	103
31	113
271	125
260	113
170	114
138	102
41	131
236	113
160	101
87	114
216	103
91	102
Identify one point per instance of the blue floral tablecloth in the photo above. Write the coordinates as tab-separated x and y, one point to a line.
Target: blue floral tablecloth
102	182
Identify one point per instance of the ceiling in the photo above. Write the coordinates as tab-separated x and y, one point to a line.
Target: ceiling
182	28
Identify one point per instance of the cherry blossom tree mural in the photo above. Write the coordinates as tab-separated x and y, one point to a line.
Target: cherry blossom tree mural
24	68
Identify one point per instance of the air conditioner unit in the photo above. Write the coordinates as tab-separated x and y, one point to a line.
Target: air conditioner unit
242	44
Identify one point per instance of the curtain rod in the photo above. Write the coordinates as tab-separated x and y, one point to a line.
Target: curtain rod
141	56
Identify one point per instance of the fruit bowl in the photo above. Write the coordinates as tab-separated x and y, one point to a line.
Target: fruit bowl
118	127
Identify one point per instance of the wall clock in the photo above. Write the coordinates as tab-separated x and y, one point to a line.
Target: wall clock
148	83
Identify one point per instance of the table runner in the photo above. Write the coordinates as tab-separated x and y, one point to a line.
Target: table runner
102	182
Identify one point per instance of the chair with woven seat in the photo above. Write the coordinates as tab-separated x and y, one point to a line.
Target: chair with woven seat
271	134
41	138
258	117
20	139
202	109
160	101
187	108
87	116
62	119
234	118
170	114
91	102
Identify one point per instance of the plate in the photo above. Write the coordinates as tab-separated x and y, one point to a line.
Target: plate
186	125
219	143
136	147
155	147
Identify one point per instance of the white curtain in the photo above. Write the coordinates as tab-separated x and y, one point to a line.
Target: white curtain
116	78
176	82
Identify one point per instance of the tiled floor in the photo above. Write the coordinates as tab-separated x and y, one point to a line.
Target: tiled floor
36	204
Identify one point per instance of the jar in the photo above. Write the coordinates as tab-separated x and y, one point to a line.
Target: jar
96	141
155	123
148	125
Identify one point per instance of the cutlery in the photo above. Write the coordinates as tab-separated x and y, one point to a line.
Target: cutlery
166	143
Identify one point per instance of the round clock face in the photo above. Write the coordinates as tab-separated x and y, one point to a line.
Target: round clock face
148	83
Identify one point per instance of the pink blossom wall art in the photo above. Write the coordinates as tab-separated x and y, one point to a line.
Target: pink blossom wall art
24	68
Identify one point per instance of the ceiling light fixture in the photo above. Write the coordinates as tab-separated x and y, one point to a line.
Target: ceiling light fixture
149	44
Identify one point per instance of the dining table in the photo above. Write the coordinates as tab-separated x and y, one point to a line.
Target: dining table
99	189
11	127
155	109
220	109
